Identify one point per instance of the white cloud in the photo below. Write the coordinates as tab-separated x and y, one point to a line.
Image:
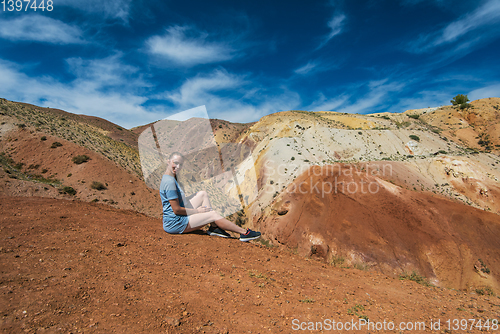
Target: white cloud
106	72
316	66
307	68
81	96
422	99
327	104
485	92
485	15
195	91
109	8
335	24
205	89
180	49
40	29
378	91
101	89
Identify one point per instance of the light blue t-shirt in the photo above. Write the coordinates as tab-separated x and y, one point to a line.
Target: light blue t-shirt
170	189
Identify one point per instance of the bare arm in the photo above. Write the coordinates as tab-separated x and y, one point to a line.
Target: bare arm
182	211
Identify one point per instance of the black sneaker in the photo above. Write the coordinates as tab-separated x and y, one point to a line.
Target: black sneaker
216	231
250	235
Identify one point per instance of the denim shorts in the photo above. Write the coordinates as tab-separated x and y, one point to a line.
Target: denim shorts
175	225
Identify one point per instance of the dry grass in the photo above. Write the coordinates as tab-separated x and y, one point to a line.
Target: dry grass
80	133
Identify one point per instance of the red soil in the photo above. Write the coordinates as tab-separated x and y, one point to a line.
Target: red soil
70	266
124	189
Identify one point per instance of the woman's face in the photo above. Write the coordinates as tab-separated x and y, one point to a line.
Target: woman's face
175	164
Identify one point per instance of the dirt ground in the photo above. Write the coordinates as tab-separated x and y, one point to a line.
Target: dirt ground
73	267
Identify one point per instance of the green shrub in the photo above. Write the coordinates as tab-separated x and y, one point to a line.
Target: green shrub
69	190
402	124
414	116
307	300
43	138
361	266
484	269
19	166
337	260
98	186
56	144
417	138
80	159
485	291
461	101
416	278
355	311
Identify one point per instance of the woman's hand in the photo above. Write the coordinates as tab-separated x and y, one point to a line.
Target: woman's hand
202	209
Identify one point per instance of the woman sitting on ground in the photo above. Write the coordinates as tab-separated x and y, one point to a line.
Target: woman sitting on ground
177	218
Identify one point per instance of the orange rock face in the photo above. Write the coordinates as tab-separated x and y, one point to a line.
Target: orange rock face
353	217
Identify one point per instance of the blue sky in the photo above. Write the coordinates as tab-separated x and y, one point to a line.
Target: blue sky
134	62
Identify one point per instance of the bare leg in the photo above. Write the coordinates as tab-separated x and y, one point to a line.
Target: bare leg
200	199
199	220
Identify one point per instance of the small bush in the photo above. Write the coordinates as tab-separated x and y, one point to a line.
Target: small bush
43	138
69	190
292	158
307	300
416	138
361	266
403	124
484	269
80	159
266	243
337	261
98	186
414	116
19	166
355	309
461	101
56	144
416	278
485	291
